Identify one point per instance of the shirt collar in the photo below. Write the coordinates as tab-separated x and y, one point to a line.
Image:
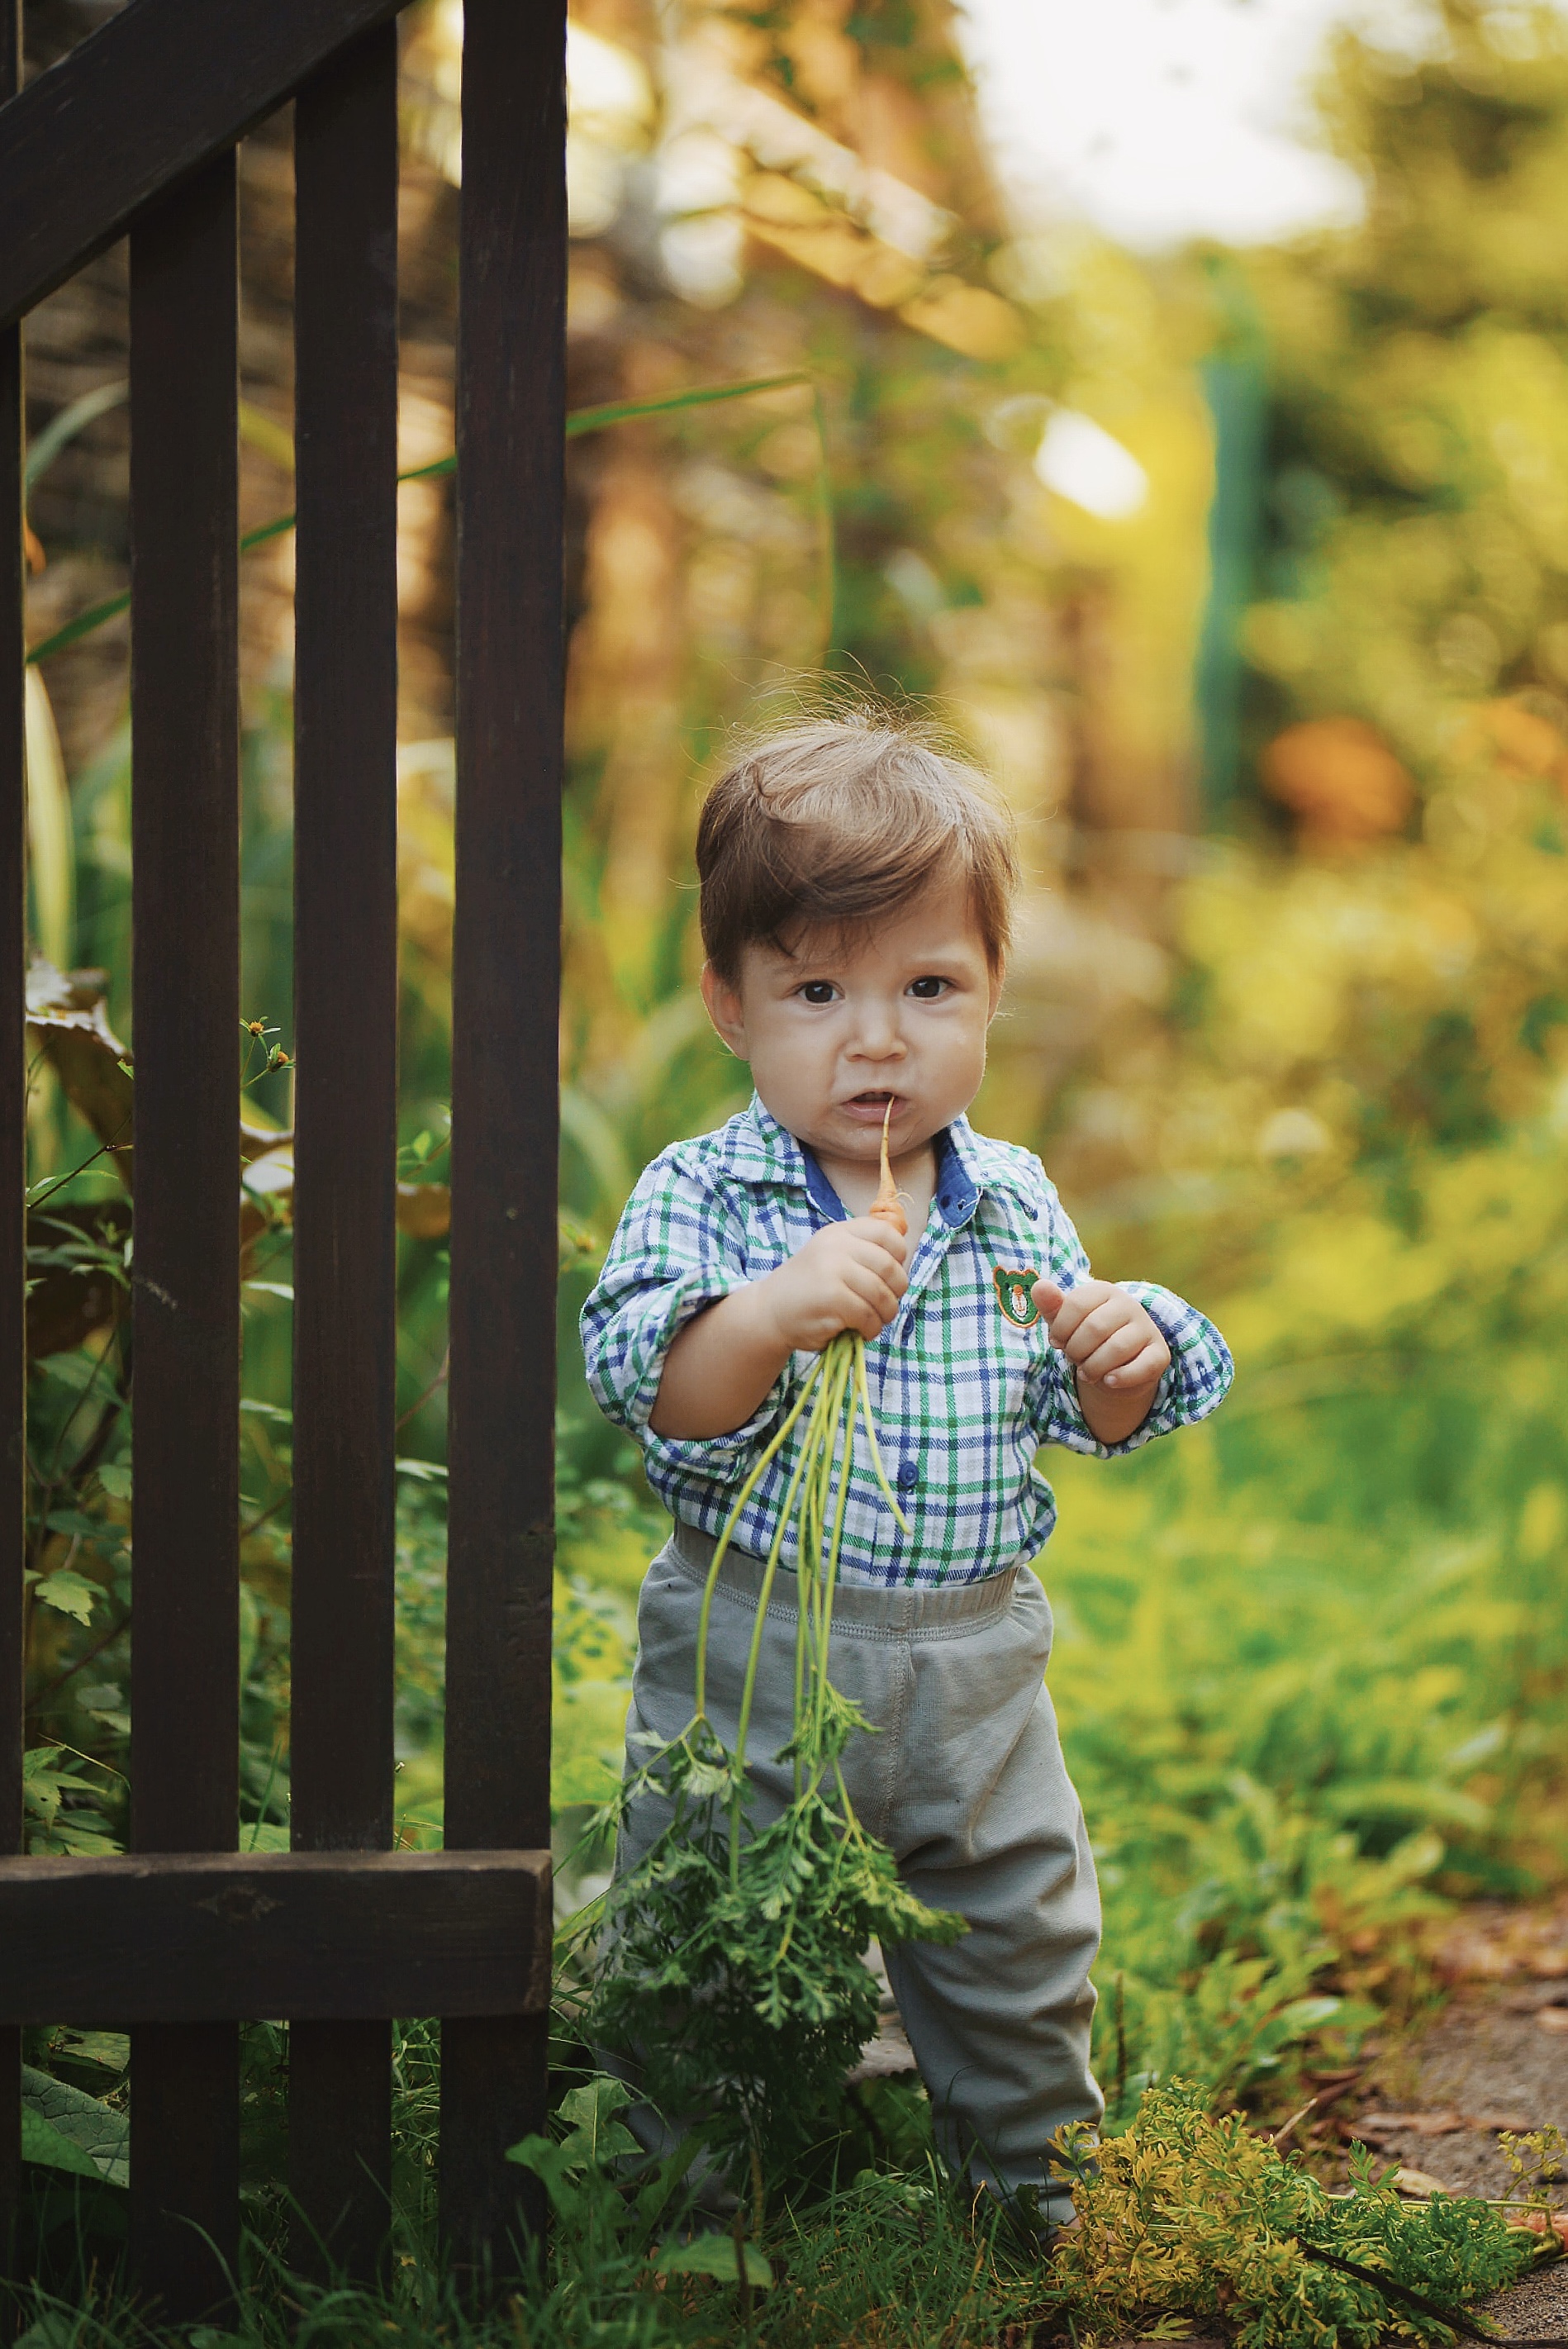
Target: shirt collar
760	1150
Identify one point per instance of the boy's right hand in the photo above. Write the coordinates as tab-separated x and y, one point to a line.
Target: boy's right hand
849	1276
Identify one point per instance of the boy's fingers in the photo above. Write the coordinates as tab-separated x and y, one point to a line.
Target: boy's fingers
879	1271
873	1294
1091	1326
1146	1368
883	1236
1065	1308
852	1311
1115	1351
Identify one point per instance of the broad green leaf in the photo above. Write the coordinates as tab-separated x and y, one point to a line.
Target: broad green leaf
1302	2016
548	2163
529	2152
105	1704
76	1833
596	2137
714	2255
110	2049
75	1521
592	2104
264	1835
92	2128
584	2150
115	1478
45	2144
68	1594
424	1471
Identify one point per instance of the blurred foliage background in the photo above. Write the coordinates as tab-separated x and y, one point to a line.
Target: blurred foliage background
1246	573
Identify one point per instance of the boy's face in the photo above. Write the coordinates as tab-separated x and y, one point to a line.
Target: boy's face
835	1028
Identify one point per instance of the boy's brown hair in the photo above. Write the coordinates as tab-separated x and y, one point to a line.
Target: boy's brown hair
841	821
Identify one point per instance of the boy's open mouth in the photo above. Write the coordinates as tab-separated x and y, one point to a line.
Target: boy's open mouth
873	1104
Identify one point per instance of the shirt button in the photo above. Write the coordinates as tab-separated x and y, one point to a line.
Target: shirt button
908	1476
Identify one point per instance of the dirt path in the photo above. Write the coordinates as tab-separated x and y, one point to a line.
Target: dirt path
1495	2058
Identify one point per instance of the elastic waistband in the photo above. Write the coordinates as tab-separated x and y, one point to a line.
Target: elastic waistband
862	1611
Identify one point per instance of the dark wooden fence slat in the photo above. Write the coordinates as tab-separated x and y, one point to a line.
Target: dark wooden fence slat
152	96
185	1278
13	1154
346	1102
165	1936
505	990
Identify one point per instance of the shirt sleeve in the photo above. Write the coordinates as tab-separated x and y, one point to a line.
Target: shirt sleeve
1195	1382
675	1251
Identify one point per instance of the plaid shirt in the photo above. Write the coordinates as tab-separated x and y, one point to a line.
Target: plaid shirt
964	1384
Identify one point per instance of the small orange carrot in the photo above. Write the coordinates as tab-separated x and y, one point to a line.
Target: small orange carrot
887	1204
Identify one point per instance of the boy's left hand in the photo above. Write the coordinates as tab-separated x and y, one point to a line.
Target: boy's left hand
1113	1345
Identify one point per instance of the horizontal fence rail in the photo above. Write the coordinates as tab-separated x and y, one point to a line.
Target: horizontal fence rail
186	1935
324	1936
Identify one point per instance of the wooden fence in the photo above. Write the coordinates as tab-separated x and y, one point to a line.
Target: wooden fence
134	134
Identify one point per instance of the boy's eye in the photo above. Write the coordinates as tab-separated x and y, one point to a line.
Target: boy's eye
927	989
817	991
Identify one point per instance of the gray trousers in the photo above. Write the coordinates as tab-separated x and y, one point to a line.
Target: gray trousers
966	1784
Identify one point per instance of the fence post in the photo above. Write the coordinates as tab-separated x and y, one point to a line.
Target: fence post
13	1156
505	998
185	834
345	1098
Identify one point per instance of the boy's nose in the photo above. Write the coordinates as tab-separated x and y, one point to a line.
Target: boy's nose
877	1036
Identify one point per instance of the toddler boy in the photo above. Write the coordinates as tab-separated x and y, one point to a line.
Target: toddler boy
856	894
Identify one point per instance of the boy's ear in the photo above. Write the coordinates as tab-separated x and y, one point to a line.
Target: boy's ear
722	1004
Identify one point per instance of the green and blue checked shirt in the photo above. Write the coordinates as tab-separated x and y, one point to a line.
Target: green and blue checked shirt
964	1384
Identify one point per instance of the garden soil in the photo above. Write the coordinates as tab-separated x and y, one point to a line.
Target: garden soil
1497	2055
1494	2057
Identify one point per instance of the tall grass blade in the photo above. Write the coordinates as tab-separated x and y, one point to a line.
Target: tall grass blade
580	420
51	854
63	429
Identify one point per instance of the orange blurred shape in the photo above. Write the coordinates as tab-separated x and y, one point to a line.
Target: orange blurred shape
1339	778
1525	740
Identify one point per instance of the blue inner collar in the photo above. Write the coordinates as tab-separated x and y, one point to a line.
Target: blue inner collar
956	1196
